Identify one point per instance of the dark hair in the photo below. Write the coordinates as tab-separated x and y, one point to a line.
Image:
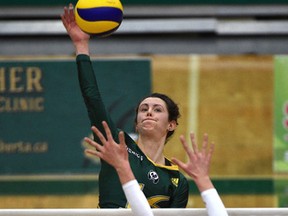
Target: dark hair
172	107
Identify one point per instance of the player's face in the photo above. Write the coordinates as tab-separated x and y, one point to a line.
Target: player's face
152	116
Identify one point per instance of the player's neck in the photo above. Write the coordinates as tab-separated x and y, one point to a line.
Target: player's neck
152	149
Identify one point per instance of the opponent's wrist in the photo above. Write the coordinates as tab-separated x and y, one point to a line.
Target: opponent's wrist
203	183
125	173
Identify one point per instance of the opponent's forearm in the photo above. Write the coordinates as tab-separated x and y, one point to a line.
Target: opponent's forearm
136	198
213	202
203	183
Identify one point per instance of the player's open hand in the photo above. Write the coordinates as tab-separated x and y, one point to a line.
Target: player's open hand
68	20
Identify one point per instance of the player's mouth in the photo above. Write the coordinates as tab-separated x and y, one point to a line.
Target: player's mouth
149	119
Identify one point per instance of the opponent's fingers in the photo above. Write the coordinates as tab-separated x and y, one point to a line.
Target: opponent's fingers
193	141
94	144
107	131
179	163
92	152
121	139
210	151
89	141
185	146
205	143
99	134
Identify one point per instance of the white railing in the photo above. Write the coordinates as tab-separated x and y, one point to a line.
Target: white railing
127	212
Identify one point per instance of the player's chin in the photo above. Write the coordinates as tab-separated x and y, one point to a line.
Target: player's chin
149	126
148	129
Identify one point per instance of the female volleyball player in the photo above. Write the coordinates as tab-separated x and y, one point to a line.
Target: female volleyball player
156	119
197	168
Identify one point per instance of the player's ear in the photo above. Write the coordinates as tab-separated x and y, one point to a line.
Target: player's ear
172	125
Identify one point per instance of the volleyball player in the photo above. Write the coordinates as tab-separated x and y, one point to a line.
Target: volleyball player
156	119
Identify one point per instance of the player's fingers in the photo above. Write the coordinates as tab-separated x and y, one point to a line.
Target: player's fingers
71	12
63	21
65	11
71	8
64	17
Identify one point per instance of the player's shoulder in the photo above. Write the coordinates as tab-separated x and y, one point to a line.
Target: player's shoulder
182	176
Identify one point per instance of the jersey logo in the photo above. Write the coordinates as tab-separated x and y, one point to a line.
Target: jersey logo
153	176
175	181
155	200
130	151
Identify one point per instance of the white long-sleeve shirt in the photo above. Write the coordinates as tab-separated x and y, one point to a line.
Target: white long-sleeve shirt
140	206
213	202
136	198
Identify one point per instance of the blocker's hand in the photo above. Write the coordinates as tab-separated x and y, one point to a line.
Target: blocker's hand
114	154
68	20
198	164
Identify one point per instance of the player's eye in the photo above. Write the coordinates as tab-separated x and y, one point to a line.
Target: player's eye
143	109
158	109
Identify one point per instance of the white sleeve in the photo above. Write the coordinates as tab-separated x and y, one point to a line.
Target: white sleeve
136	198
213	202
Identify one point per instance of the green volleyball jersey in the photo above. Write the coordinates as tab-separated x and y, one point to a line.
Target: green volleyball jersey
163	186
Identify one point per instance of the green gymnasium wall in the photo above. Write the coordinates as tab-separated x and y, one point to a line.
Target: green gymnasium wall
43	119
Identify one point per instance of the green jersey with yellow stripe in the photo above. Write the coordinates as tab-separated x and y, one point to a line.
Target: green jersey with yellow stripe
163	185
